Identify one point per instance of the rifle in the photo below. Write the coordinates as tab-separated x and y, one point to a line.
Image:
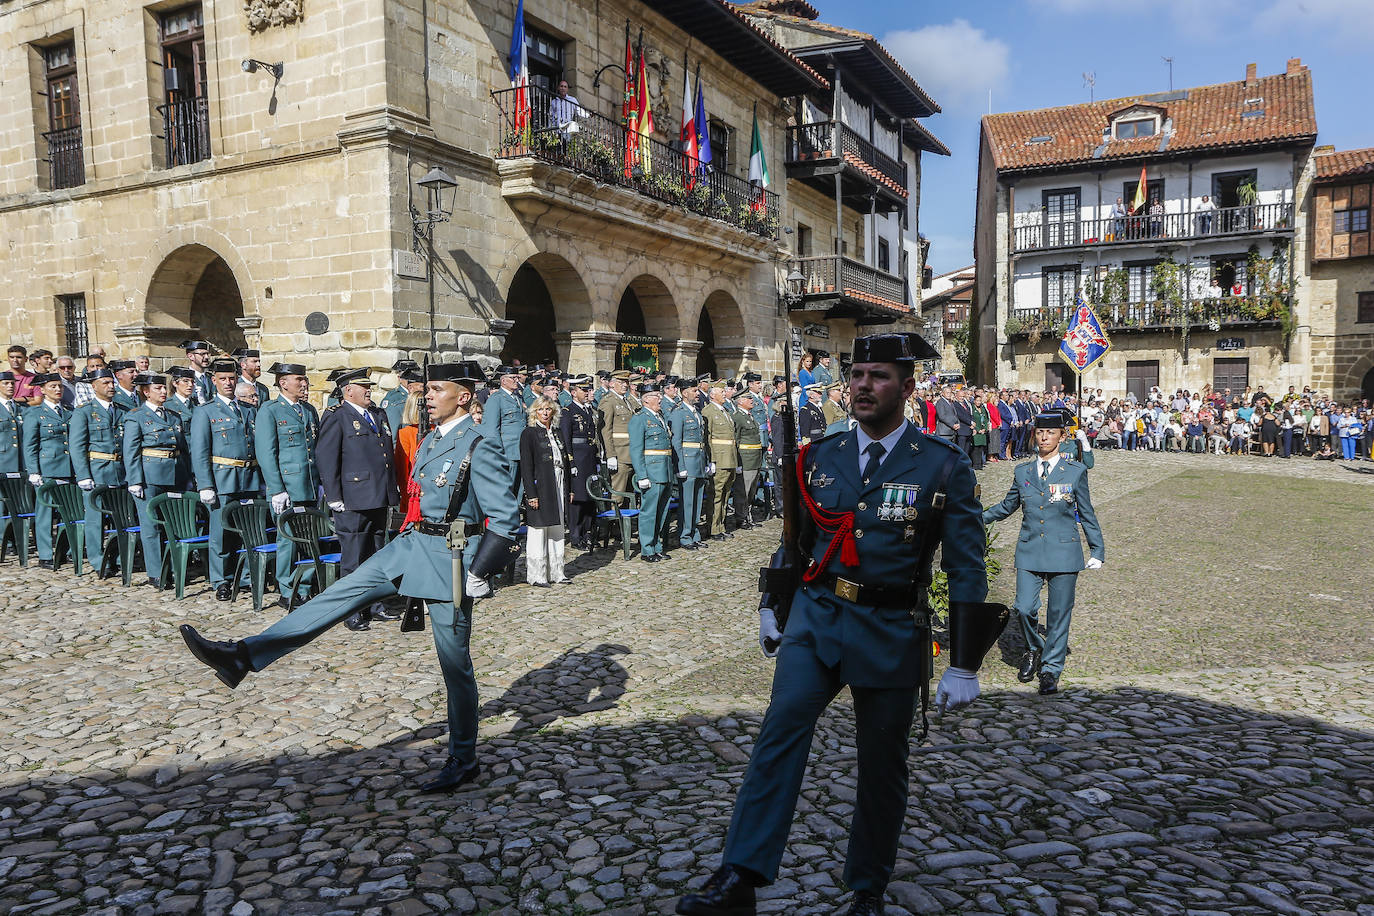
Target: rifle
424	411
779	580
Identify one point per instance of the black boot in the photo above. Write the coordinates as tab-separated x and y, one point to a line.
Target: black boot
229	659
1049	684
453	775
1030	667
729	892
866	903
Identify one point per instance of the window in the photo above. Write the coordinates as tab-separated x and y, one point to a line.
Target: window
803	240
1364	307
1230	275
884	256
1140	277
719	132
546	58
65	166
1356	219
1061	216
1154	189
1061	288
1139	127
72	318
186	115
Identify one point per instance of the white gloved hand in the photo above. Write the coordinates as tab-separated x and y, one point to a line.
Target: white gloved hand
958	688
207	496
574	472
337	506
612	464
36	480
681	475
739	470
1094	563
643	483
1082	438
135	490
280	503
86	484
711	469
769	632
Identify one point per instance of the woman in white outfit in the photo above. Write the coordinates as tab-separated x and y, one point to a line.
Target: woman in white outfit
544	472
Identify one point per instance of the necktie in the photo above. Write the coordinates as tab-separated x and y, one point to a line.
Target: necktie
158	411
1044	470
875	456
234	407
370	422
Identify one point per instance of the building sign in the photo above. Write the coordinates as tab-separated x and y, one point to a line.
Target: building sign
817	330
409	265
638	353
796	343
1231	343
316	323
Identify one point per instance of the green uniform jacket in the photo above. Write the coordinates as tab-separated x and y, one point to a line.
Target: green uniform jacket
749	435
1051	514
284	440
97	437
217	433
616	411
649	433
503	420
144	429
45	436
720	437
11	434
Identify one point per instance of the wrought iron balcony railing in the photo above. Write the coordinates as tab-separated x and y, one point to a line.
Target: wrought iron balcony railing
1228	311
838	275
568	135
186	131
1163	227
832	140
66	168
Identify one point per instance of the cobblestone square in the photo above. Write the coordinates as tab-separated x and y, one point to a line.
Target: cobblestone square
1213	751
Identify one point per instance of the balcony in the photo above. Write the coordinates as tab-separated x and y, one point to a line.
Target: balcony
66	169
1230	311
571	137
1260	219
818	152
845	288
186	131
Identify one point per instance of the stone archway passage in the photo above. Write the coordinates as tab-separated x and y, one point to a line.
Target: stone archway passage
194	288
706	360
720	328
546	301
658	311
1367	386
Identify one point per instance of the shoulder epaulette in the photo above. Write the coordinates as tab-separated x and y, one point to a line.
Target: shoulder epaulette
333	407
940	440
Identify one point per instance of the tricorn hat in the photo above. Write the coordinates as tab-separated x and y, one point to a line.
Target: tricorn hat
1052	419
190	346
892	348
224	364
150	378
464	372
280	369
362	376
246	353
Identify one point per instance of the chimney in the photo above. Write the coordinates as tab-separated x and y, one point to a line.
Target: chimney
1294	65
1250	74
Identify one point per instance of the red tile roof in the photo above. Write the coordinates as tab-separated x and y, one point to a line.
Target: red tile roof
1346	163
876	174
1205	117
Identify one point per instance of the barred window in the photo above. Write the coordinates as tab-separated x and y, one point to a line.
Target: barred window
73	320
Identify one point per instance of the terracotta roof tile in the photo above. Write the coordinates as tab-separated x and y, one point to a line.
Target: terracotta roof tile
1205	117
875	174
742	17
1346	163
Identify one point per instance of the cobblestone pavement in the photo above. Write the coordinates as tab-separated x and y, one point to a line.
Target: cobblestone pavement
618	718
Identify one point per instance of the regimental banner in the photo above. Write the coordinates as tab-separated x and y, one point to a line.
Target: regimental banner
1085	343
638	353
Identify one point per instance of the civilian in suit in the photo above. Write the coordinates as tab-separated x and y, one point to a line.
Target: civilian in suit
691	456
11	427
97	437
157	460
1009	425
355	458
47	455
577	424
545	472
963	410
285	434
225	464
651	457
946	416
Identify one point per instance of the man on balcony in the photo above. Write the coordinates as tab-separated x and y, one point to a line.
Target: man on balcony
564	110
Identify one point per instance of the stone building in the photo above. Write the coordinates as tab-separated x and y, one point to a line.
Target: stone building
1196	285
1341	284
946	303
252	174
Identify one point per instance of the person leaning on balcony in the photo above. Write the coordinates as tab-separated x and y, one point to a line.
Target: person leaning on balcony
1118	220
564	110
1205	211
1156	218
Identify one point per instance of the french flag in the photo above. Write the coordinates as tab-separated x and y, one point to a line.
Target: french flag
519	70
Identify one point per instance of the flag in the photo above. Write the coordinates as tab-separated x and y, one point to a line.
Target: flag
758	165
519	72
628	102
687	133
703	128
1085	343
644	115
631	105
1138	200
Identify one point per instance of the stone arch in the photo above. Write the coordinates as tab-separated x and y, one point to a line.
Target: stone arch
194	289
655	303
720	328
549	304
181	247
568	294
1359	380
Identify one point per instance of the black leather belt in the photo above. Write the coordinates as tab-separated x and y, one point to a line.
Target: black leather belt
441	530
889	596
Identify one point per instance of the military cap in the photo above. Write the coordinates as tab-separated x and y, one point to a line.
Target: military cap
779	380
746	393
580	381
101	373
815	386
177	372
40	380
647	389
464	372
119	365
719	383
246	353
280	369
150	378
622	374
507	370
821	354
603	373
413	374
8	376
1049	420
403	364
833	385
672	381
191	346
223	364
704	377
334	374
355	377
752	377
892	348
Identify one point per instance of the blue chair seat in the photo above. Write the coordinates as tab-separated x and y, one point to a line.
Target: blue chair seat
524	529
672	504
200	539
134	530
331	558
266	548
26	515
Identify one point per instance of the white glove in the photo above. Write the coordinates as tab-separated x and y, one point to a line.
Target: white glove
958	688
574	472
207	496
1082	438
87	484
681	475
136	491
643	483
612	464
36	480
280	503
711	469
1094	563
337	506
769	632
739	470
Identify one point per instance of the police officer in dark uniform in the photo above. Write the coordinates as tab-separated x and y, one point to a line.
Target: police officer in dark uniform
355	457
811	418
578	427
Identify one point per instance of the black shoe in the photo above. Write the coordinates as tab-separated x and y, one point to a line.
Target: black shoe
665	556
728	534
866	904
729	892
1030	667
453	775
541	585
153	582
719	537
45	564
229	659
357	623
225	592
702	545
687	547
649	557
384	614
1049	683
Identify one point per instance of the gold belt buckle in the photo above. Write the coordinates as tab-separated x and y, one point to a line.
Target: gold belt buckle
847	590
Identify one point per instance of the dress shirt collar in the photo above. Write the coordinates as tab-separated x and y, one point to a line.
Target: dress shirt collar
1053	460
888	442
104	404
443	429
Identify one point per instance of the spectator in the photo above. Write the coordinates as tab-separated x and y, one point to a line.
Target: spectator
1197	437
246	393
564	110
25	392
1205	211
1156	218
141	363
979	444
1240	437
1118	222
66	369
40	362
84	392
1269	428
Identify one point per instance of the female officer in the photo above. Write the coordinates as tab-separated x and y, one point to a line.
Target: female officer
156	460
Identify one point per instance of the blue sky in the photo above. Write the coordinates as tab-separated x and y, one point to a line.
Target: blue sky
1034	54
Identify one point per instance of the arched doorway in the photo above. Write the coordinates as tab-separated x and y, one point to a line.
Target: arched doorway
645	317
720	328
195	288
706	359
629	315
546	299
1367	386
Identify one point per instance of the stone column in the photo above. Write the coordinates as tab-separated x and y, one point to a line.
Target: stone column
586	351
734	360
679	357
251	326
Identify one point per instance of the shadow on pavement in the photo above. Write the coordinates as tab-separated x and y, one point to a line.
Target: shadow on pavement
1117	801
574	684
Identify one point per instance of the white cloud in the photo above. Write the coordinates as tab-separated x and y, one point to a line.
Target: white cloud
956	63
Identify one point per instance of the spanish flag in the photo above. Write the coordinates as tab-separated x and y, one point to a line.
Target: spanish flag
1138	201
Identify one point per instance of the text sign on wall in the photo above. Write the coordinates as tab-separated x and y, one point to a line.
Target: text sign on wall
409	265
796	343
1231	343
817	330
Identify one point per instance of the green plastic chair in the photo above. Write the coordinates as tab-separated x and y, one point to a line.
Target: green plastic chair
250	521
17	528
179	517
65	500
307	528
122	545
609	509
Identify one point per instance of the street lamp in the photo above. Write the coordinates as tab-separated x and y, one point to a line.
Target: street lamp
796	283
440	194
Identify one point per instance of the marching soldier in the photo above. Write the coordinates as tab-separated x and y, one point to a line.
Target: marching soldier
11	427
97	434
689	449
720	433
156	460
1052	494
124	393
181	398
198	361
871	522
47	455
750	436
285	434
811	419
651	456
504	419
224	462
461	484
616	410
250	370
578	428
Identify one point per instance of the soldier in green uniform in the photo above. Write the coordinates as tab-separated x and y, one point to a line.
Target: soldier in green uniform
1052	493
181	396
651	457
832	409
462	480
224	462
877	498
724	463
97	433
692	456
750	437
284	440
616	410
156	460
125	394
11	427
47	455
250	370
